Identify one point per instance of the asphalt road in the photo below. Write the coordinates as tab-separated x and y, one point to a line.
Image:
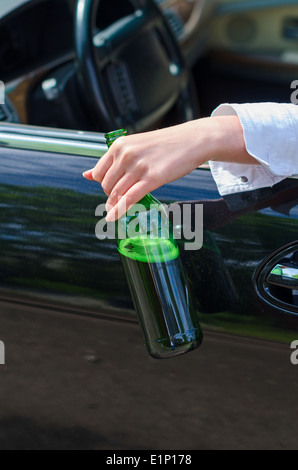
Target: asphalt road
74	382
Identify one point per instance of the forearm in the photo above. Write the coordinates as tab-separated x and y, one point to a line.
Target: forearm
222	140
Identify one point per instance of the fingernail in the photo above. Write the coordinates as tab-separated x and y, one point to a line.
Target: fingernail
88	175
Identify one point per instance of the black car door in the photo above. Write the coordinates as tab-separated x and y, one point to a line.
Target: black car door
77	375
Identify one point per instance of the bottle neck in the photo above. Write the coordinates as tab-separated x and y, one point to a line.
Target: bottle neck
148	201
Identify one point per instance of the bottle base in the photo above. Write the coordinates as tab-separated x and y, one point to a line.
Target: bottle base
175	346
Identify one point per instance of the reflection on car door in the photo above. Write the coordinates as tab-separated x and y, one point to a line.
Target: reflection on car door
77	375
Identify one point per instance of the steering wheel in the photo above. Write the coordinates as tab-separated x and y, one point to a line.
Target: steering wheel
132	72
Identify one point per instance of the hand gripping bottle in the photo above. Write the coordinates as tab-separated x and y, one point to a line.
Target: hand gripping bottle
156	277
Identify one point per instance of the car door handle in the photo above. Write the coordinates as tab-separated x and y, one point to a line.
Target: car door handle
284	276
276	279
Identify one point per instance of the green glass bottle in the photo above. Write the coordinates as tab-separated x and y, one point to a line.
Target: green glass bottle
156	277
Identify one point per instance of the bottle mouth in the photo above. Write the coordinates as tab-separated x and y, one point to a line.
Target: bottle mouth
112	136
149	250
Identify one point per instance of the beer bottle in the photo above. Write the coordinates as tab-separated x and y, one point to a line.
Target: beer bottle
156	278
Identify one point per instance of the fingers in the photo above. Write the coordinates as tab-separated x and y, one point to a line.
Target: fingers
111	178
121	188
106	173
123	176
88	175
108	170
124	172
117	183
99	171
132	196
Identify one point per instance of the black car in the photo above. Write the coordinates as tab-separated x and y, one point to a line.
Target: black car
76	372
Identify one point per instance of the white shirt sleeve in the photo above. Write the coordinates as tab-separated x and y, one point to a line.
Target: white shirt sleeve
271	137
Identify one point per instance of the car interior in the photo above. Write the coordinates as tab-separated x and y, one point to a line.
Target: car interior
99	65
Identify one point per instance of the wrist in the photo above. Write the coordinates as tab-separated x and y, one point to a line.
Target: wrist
228	142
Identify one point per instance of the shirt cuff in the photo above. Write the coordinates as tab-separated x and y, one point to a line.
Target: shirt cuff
271	137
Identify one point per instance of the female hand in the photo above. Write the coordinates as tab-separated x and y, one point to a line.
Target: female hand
138	164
